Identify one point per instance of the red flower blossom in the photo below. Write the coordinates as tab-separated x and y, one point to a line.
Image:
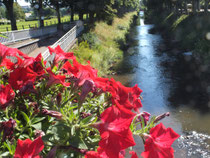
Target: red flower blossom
56	79
7	63
133	153
100	154
86	72
115	132
126	96
21	76
28	148
60	54
7	95
158	143
6	51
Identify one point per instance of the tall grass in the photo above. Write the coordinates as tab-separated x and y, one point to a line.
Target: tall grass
107	53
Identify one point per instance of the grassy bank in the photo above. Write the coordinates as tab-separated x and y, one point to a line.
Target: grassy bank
191	32
101	44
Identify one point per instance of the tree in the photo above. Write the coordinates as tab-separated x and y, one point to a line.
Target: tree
18	11
56	4
2	12
9	6
38	4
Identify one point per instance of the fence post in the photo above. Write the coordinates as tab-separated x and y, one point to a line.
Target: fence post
29	26
7	29
23	27
35	25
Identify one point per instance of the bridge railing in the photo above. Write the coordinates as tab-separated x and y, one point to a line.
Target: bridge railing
66	41
14	36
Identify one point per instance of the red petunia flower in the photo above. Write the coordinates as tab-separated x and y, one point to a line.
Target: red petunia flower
7	95
126	96
60	54
133	154
28	148
6	51
56	79
21	76
158	143
86	72
115	132
100	153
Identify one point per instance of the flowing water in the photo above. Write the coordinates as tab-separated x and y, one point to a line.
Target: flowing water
169	86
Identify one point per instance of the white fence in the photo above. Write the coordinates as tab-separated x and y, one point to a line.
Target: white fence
67	40
14	36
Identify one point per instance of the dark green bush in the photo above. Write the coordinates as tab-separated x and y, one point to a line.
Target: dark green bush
91	39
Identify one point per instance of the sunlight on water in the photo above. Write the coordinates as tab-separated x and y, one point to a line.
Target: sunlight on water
142	22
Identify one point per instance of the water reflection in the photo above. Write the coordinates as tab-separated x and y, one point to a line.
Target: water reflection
167	85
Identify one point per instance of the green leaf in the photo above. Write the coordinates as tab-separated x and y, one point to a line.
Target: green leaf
77	141
37	119
26	118
8	147
37	126
87	119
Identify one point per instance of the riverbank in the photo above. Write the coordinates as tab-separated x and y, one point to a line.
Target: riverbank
185	32
103	44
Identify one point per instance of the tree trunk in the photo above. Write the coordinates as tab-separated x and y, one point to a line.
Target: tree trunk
91	16
81	15
185	7
193	6
72	13
9	7
198	5
40	11
206	6
58	13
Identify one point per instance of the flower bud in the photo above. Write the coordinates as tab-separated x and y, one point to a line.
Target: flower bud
8	128
52	113
162	116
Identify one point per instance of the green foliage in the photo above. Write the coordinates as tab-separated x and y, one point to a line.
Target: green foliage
48	12
18	12
178	21
2	12
91	39
103	44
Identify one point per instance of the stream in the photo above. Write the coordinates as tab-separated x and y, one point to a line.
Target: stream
169	84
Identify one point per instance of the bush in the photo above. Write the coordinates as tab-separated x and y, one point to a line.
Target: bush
91	39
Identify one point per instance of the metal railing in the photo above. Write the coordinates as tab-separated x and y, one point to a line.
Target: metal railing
14	36
66	41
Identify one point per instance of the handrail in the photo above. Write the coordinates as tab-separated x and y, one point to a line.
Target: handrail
18	35
66	40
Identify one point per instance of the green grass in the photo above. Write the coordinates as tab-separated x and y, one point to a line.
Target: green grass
31	24
107	53
179	20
